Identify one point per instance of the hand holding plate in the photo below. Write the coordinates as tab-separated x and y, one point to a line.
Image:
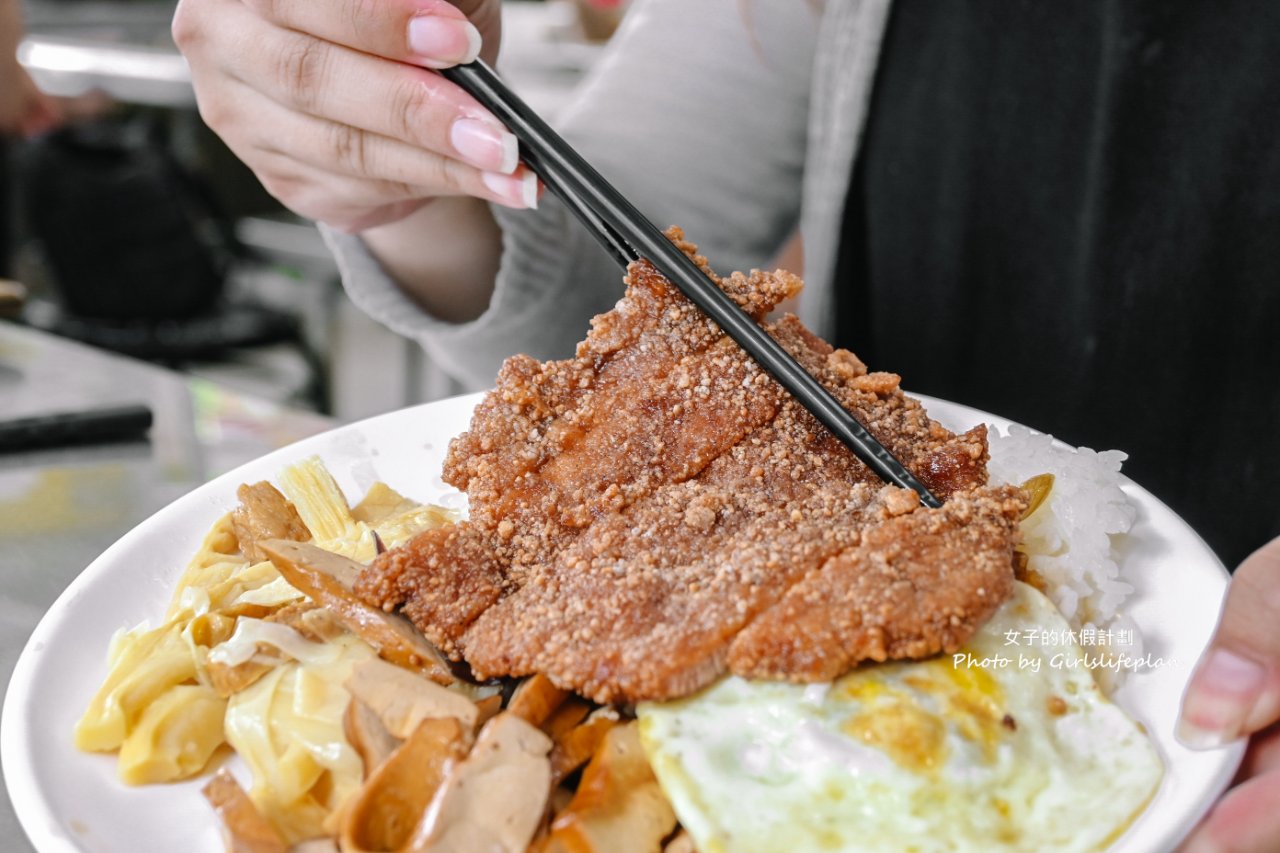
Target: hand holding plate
1235	693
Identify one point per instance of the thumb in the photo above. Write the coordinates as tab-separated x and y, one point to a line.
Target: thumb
1235	689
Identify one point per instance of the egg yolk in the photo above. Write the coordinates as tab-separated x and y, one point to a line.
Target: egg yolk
967	697
912	737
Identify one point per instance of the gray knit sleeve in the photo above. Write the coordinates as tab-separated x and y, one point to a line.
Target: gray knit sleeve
697	111
539	305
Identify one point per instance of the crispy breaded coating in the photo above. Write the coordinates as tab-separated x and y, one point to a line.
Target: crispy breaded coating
557	435
443	578
647	601
640	513
918	584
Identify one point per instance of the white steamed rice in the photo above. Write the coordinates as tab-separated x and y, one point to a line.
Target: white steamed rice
1069	540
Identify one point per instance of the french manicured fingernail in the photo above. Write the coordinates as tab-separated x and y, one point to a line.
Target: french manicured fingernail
514	190
485	145
445	41
1223	691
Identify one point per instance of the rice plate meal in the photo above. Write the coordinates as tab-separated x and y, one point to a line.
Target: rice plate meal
677	615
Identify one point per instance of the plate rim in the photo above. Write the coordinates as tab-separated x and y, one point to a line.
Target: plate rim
34	811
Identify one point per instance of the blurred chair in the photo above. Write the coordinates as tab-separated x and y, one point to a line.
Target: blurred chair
140	254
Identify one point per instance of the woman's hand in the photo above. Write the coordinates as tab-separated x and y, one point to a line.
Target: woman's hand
1234	693
332	105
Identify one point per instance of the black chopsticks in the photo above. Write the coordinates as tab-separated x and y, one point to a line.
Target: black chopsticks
628	235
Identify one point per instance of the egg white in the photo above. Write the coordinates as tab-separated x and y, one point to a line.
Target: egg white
1007	747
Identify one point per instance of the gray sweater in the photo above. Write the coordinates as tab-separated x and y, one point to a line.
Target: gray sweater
737	120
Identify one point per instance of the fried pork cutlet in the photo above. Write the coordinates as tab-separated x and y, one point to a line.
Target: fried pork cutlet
656	511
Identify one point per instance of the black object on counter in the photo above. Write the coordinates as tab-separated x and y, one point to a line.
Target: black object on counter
89	426
129	233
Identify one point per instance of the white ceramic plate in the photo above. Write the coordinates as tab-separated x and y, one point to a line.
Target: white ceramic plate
70	801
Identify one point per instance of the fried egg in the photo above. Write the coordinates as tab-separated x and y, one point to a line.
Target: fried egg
1003	747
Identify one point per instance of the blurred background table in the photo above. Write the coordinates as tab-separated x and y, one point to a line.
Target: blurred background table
60	508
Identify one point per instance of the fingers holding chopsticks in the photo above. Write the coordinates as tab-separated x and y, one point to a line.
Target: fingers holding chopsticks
403	102
351	178
329	102
432	33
